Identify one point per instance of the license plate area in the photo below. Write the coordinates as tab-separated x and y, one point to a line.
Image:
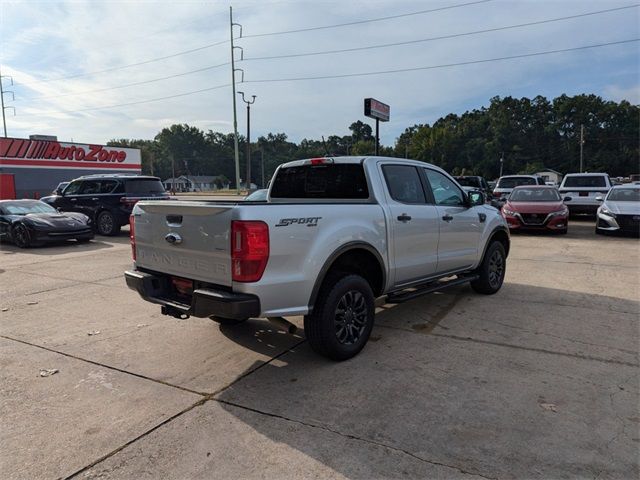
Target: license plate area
584	194
182	287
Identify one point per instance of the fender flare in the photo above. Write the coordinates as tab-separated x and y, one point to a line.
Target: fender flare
356	245
500	228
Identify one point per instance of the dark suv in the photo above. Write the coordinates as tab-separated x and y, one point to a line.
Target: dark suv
475	182
107	199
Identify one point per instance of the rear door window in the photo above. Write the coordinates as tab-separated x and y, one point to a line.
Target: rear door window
329	181
403	182
107	186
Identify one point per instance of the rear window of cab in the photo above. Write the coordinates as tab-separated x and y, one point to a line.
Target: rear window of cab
585	181
330	181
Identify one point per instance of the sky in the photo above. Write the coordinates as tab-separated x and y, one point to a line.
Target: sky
86	70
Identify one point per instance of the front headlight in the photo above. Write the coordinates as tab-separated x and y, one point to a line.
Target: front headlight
506	211
607	212
563	212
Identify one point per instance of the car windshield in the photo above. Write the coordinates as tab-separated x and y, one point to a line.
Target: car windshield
624	195
23	208
585	181
512	182
534	195
144	186
468	182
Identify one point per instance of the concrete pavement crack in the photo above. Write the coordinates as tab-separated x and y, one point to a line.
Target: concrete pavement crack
110	367
517	347
355	437
205	396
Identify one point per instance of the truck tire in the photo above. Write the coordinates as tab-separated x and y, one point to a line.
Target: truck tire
342	318
228	321
491	270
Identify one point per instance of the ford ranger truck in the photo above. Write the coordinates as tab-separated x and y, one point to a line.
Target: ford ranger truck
335	238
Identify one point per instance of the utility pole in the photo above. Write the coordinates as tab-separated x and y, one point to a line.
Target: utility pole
249	103
233	86
2	106
501	162
377	136
262	165
173	174
581	144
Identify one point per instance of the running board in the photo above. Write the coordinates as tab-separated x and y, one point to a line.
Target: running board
403	296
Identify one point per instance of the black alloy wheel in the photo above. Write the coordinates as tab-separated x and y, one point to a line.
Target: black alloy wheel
21	236
492	270
350	319
342	318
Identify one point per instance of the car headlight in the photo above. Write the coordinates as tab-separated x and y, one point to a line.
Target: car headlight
563	212
506	211
607	212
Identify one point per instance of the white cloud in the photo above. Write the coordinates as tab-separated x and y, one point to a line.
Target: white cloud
54	39
618	93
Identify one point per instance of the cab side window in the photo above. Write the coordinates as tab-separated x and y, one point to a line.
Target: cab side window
445	191
403	182
73	188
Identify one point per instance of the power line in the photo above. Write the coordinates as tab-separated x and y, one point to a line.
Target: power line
359	22
46	80
211	67
443	37
446	65
130	103
324	77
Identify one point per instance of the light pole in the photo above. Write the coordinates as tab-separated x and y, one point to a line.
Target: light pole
249	103
501	162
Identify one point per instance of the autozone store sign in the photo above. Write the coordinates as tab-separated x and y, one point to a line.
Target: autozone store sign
19	152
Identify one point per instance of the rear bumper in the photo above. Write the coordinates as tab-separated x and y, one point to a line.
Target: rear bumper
205	302
582	208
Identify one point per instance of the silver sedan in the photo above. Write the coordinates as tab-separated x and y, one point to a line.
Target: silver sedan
620	210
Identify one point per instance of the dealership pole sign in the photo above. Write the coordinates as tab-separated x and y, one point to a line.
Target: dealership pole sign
27	153
380	111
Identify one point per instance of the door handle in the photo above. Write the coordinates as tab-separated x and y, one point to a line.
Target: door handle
447	218
404	217
95	198
73	199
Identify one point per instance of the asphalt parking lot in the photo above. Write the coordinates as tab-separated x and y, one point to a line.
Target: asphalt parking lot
538	381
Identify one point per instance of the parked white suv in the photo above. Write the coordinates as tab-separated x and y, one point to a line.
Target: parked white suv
507	183
583	190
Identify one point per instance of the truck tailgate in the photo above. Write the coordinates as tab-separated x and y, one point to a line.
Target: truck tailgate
185	238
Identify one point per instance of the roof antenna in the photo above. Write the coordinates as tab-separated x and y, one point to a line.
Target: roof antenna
326	150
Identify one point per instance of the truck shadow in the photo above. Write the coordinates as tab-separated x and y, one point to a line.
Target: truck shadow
465	394
59	248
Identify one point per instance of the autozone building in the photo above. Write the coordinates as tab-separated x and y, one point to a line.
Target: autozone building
32	168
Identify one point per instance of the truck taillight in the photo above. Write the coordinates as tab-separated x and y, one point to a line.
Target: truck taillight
249	250
132	235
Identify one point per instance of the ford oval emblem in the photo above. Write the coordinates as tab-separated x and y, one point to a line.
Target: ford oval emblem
173	238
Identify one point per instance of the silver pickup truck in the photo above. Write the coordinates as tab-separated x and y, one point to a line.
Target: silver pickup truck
335	238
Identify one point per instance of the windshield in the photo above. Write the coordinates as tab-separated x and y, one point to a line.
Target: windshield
23	208
144	186
585	181
344	180
534	195
512	182
468	182
624	195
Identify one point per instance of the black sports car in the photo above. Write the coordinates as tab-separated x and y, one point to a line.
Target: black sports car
30	223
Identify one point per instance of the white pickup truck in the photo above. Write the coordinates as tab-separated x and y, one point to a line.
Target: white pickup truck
335	238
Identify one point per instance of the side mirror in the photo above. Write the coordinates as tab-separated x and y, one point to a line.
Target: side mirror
476	198
566	199
599	198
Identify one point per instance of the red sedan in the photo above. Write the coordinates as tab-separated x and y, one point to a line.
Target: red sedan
536	208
